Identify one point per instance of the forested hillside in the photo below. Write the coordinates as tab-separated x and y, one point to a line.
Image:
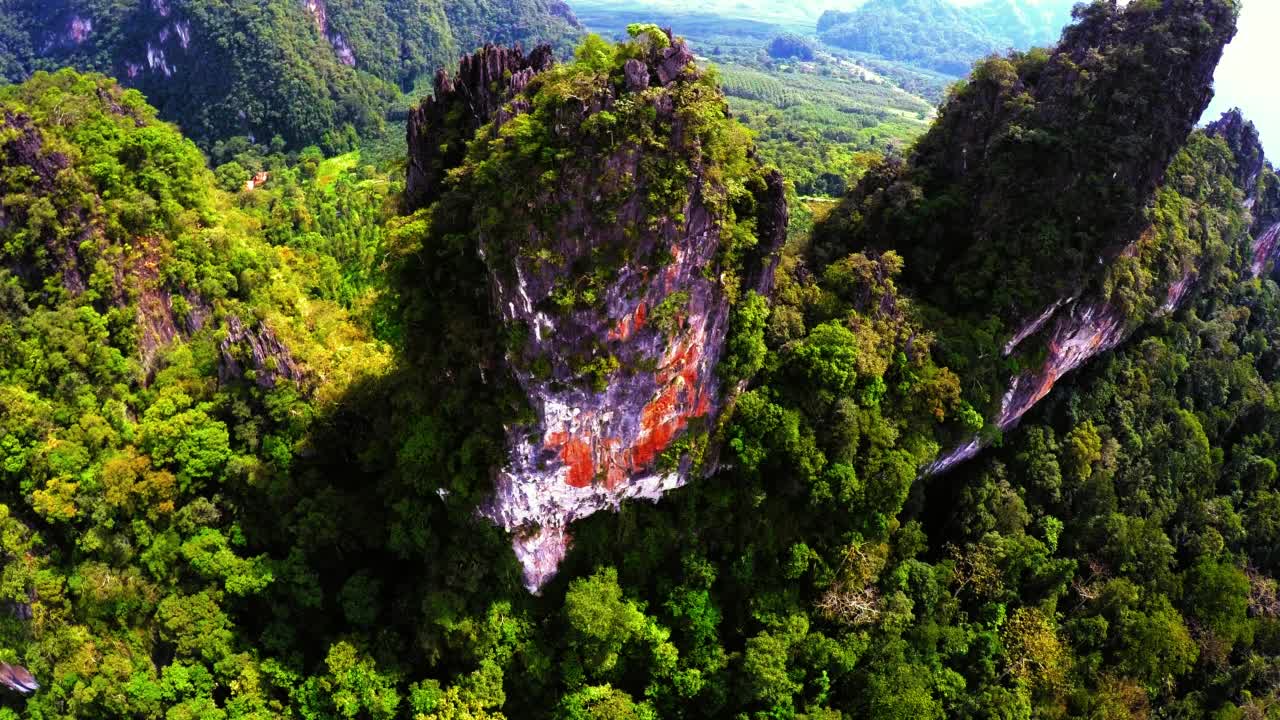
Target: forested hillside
995	437
307	71
164	353
1025	23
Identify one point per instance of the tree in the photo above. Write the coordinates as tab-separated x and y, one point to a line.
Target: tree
602	702
1154	645
901	691
745	351
827	359
1217	596
770	678
473	698
600	621
353	686
231	176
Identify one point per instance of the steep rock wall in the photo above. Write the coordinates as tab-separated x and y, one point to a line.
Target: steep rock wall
609	267
320	12
1265	248
1082	331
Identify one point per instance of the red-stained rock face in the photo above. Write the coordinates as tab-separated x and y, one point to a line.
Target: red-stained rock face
598	447
684	395
628	325
619	376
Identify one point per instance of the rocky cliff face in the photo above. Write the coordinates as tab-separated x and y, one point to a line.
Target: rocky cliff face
612	268
1256	178
592	447
1264	250
989	210
1251	161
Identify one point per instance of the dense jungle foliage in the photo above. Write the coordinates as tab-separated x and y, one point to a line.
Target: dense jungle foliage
243	433
314	72
140	433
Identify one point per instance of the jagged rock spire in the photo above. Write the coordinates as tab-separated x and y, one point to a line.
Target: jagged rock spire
485	81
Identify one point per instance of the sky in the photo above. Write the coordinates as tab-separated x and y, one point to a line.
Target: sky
1244	77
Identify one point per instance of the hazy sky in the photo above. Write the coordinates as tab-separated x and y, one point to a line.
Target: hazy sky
1245	78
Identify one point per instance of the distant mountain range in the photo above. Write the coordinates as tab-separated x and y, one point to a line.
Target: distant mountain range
799	14
943	35
1014	18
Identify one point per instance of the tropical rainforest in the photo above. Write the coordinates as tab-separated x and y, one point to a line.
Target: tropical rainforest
576	406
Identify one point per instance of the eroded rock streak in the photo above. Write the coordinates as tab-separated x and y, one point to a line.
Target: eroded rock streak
1083	332
1264	250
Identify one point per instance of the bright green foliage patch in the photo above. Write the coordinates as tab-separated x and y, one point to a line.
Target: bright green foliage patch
130	468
